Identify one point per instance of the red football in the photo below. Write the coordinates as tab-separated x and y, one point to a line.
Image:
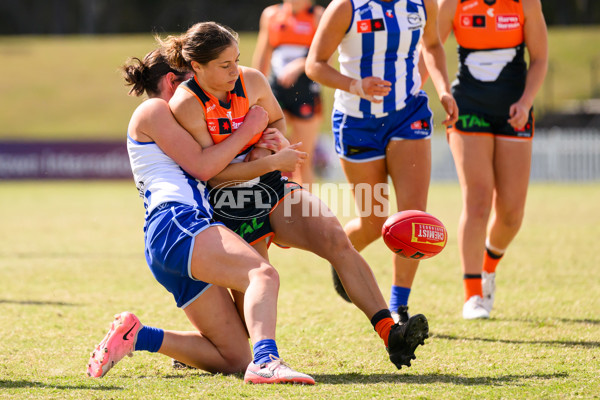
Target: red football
414	234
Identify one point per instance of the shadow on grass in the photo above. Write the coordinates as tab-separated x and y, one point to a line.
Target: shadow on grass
38	303
8	384
568	343
346	379
585	321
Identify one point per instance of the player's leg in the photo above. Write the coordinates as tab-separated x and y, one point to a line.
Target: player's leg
323	235
223	258
473	158
409	166
220	342
303	221
364	179
512	163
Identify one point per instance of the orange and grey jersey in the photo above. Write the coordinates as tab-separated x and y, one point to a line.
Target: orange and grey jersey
223	118
492	68
290	35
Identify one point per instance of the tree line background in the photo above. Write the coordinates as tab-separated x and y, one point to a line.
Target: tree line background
141	16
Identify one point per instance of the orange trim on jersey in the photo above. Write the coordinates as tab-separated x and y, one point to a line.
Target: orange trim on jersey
285	27
480	26
224	118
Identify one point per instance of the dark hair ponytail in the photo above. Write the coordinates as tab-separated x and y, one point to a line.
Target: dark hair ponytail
145	75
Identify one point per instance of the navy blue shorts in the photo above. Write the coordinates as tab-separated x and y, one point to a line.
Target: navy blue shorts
170	232
366	139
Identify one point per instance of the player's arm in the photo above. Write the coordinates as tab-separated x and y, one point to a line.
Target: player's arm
260	161
536	41
445	18
215	157
434	57
262	52
331	30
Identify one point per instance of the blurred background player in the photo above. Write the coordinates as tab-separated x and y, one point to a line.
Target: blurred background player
211	105
286	31
191	255
491	141
382	123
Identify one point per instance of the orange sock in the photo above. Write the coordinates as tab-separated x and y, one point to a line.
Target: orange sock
490	261
383	328
472	285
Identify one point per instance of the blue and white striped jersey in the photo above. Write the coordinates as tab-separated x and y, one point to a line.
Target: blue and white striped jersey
382	41
159	179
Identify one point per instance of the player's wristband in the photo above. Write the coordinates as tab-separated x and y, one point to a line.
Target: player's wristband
356	88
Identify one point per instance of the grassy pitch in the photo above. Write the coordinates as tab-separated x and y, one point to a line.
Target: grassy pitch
71	256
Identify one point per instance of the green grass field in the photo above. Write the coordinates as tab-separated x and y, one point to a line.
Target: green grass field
68	87
71	256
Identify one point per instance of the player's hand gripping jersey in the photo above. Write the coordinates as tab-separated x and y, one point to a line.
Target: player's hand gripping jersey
492	68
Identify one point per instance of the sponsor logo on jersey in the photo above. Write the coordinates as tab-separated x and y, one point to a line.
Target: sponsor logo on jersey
507	22
370	25
414	19
472	21
303	28
469	6
389	14
223	126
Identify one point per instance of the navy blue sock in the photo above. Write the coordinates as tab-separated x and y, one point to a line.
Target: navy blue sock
149	339
399	297
262	350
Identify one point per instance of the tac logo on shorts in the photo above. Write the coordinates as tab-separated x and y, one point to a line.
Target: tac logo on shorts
241	200
472	21
370	25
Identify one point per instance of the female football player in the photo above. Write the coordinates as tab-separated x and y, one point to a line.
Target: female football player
191	255
491	142
211	106
382	123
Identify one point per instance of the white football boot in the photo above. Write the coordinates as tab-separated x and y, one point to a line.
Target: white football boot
474	309
488	286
